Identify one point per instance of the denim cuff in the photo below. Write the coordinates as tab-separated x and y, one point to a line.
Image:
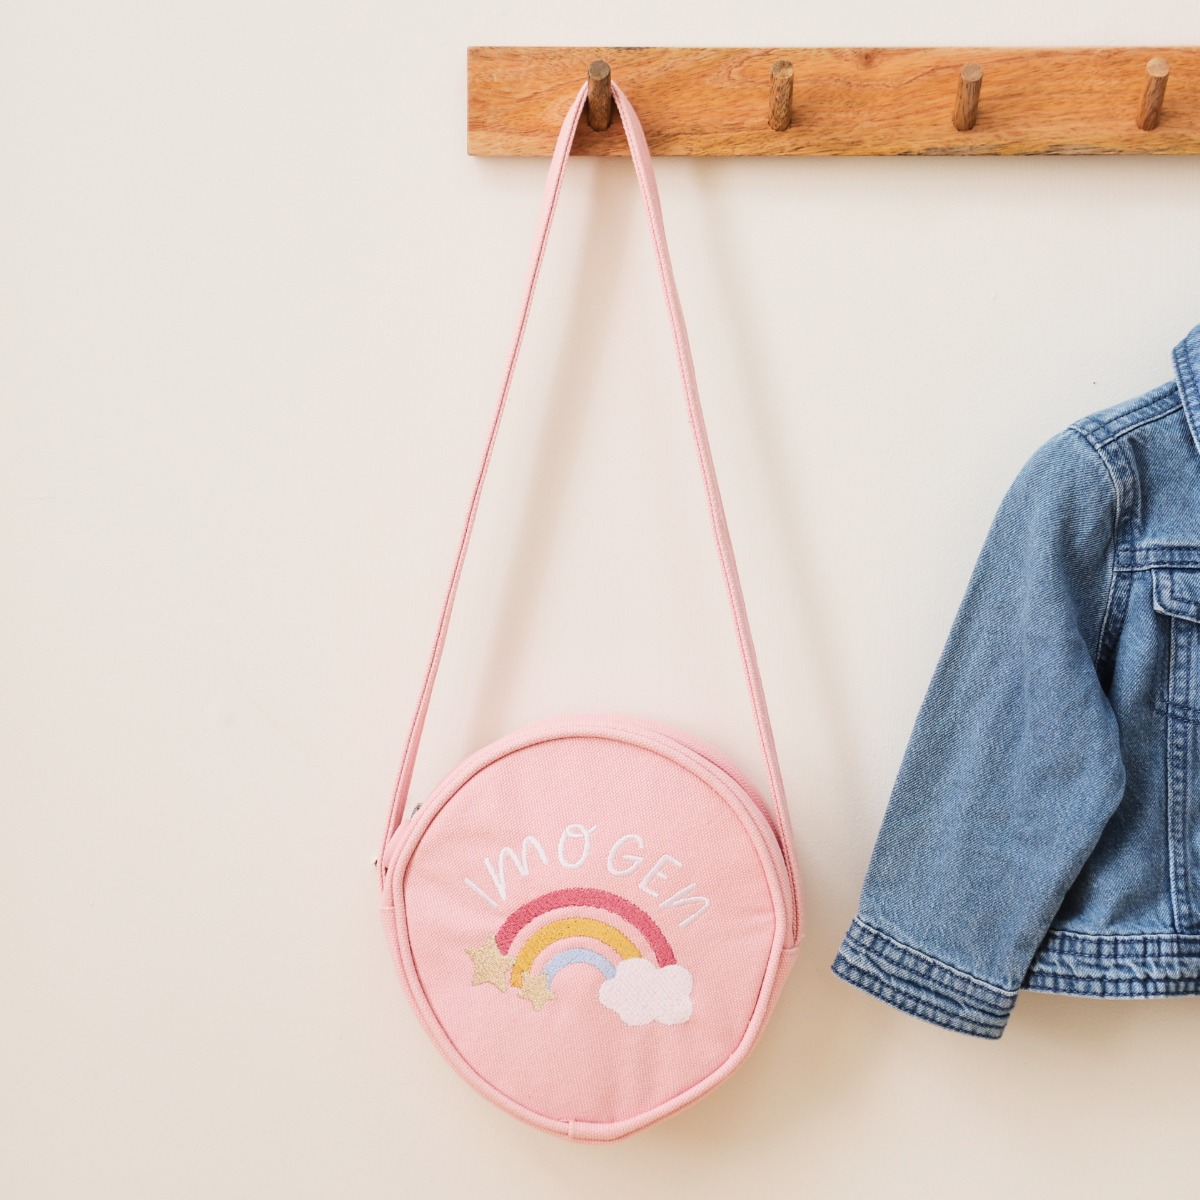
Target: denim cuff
918	984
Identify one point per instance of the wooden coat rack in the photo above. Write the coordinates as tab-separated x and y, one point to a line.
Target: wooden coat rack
839	101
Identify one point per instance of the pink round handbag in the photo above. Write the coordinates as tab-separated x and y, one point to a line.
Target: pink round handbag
593	916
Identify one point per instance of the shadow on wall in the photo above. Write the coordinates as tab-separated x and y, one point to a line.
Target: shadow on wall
814	1052
810	1031
828	1046
536	526
734	302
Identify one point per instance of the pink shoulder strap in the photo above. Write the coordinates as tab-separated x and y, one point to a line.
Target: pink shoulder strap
641	162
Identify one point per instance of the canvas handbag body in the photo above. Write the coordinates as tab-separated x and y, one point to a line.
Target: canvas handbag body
594	915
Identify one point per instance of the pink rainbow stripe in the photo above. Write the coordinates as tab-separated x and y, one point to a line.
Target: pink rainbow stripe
590	898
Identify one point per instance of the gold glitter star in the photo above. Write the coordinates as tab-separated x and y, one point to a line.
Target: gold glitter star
490	965
536	990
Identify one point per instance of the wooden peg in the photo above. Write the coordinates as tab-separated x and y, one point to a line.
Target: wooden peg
779	115
1157	71
966	102
599	101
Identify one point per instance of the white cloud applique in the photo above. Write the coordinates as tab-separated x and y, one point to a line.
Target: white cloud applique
640	992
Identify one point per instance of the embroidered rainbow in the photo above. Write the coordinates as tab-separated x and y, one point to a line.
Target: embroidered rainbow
637	989
580	927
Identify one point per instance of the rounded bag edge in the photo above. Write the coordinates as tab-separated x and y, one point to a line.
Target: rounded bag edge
687	752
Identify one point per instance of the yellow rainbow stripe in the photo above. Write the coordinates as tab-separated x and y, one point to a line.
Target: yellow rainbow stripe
568	927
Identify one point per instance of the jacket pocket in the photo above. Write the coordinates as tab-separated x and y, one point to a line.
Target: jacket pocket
1176	596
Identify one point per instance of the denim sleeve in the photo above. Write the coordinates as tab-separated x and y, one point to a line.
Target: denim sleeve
1014	765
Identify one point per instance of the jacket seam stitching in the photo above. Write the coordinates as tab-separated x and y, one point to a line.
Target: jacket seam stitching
1166	935
936	962
907	971
1105	621
1188	389
1127	429
923	1004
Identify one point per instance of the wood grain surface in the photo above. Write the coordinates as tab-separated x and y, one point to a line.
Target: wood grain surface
845	101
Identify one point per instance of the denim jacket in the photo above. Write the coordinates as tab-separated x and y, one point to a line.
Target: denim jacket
1044	828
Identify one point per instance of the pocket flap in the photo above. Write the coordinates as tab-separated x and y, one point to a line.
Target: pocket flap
1177	594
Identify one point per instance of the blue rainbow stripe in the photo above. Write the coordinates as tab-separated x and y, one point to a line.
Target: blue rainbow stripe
579	954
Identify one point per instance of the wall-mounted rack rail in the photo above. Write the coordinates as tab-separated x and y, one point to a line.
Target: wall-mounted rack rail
843	101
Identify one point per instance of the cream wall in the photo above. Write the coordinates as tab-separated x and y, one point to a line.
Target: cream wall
255	298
